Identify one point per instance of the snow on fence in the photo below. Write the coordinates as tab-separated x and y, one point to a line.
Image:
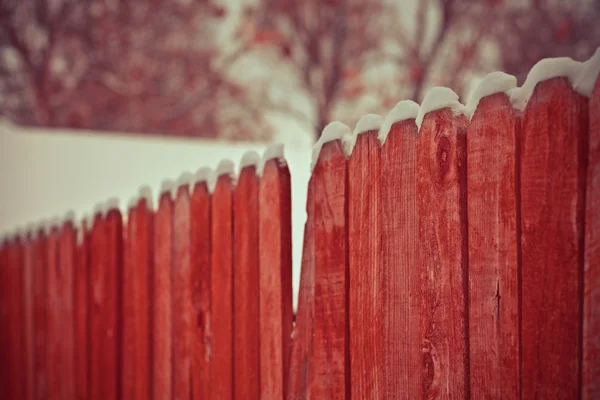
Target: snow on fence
450	252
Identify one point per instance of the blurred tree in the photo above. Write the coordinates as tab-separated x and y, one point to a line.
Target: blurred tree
137	65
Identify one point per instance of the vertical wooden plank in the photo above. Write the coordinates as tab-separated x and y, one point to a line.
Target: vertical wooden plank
329	376
66	262
5	384
82	312
441	194
136	303
181	275
161	307
29	316
399	232
553	173
14	327
106	276
367	291
221	286
591	307
492	152
302	335
200	248
246	352
53	316
275	280
40	305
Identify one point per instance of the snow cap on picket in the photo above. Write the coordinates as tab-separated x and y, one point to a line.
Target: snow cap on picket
495	82
333	131
403	110
437	98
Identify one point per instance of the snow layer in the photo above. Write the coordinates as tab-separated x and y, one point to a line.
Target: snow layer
369	122
436	99
144	193
586	80
333	131
545	69
273	152
103	208
225	167
167	186
403	110
249	159
204	174
495	82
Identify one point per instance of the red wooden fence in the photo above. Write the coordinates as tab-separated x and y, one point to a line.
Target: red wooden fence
458	259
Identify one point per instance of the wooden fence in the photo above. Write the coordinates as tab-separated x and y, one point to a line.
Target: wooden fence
460	259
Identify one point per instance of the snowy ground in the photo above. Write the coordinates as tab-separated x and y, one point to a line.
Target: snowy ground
45	174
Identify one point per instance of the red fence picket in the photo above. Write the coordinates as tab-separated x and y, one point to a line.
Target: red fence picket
275	279
493	195
221	379
455	260
591	283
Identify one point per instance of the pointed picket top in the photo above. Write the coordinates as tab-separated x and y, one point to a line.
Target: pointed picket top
437	98
403	110
495	82
335	130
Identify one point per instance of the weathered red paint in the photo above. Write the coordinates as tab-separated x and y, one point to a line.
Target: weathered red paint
222	290
492	140
275	280
329	376
398	262
246	364
591	277
442	257
67	243
137	269
200	248
367	278
182	313
82	302
553	173
161	303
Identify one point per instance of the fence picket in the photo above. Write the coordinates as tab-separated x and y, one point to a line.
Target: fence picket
399	230
200	245
329	376
441	198
40	305
554	135
53	316
65	267
492	153
29	317
182	296
82	297
161	306
245	286
367	294
275	280
221	287
591	316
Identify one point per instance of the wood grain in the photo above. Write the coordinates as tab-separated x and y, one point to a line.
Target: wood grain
82	312
200	248
13	310
67	243
492	180
275	280
553	173
367	278
161	306
591	307
442	259
137	276
330	377
398	262
182	313
246	353
222	290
